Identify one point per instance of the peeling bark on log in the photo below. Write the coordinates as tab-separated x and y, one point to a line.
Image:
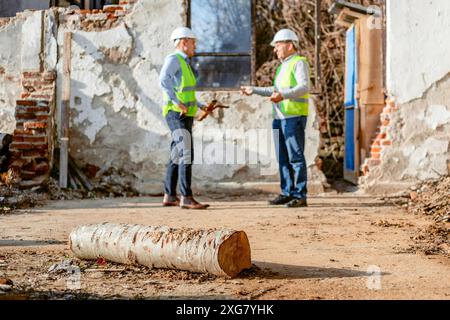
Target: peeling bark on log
221	252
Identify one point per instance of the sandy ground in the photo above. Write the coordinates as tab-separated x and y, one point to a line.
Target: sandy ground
330	250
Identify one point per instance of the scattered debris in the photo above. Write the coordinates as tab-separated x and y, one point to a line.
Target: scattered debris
432	240
387	224
432	198
5	285
64	266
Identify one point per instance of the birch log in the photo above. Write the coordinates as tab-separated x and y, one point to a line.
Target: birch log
221	252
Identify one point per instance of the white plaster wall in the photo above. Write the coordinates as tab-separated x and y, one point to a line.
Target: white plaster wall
32	42
10	62
418	50
418	79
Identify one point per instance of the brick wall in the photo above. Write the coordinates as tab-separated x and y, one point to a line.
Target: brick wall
98	20
34	135
33	142
382	139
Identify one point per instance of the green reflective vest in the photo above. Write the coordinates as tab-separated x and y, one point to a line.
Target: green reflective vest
185	92
298	106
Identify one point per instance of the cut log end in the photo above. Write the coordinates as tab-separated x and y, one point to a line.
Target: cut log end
234	254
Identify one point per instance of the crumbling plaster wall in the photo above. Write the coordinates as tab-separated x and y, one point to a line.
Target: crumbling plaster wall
10	72
116	103
418	79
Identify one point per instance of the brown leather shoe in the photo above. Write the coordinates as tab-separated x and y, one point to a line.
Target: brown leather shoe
191	203
171	201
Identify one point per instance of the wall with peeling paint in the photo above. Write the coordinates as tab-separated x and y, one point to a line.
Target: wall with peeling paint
418	79
10	72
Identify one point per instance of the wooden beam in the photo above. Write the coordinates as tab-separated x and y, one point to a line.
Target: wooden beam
318	44
65	112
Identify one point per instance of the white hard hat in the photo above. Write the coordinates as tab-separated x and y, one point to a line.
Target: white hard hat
285	35
182	32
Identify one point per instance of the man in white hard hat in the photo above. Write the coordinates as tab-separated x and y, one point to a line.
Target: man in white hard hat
178	83
290	95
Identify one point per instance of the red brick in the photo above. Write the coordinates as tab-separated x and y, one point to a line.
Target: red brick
385	122
31	74
17	139
376	143
26	116
381	135
49	76
21	146
30	166
365	169
35	153
42	139
27	175
112	9
31	103
42	117
18	163
21	132
375	155
386	142
21	109
42	168
34	125
41	96
40	145
25	95
375	149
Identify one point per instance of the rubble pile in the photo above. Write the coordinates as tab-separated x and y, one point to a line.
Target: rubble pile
432	198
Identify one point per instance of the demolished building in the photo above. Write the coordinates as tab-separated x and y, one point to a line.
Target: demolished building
115	100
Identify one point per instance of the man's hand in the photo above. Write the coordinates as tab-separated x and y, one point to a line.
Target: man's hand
276	97
183	109
248	91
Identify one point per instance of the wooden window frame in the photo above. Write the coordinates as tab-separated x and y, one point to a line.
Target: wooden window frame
251	54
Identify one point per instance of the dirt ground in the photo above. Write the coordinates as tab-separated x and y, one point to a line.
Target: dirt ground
331	250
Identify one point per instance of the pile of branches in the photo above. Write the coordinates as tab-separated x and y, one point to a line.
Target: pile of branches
297	15
432	198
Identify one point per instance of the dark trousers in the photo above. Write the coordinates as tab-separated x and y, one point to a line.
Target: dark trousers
181	155
289	137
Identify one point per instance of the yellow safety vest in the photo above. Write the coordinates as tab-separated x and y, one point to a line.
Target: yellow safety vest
297	106
185	92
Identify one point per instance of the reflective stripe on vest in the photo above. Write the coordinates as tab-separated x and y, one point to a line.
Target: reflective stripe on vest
185	92
297	106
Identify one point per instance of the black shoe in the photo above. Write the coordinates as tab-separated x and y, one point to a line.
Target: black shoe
297	203
280	200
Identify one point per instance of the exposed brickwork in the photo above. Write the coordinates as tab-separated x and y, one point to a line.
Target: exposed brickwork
381	141
32	145
33	137
98	20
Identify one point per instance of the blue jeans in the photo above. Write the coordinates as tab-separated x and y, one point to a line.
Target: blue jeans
181	155
290	146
